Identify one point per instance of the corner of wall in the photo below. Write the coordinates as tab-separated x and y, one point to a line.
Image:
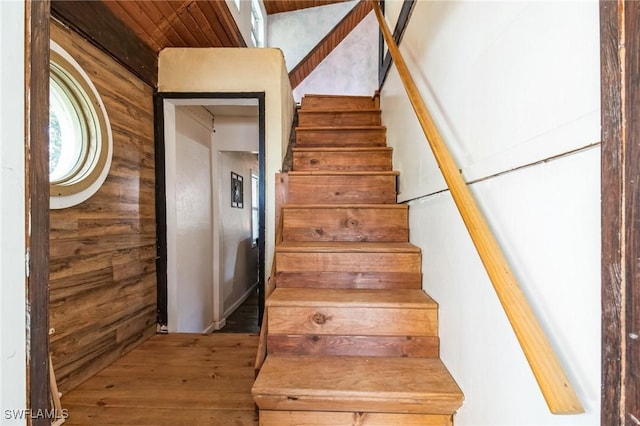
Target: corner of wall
13	351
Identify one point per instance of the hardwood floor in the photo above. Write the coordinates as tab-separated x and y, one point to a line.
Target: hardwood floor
172	379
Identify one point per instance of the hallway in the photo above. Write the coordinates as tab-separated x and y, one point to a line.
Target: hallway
173	379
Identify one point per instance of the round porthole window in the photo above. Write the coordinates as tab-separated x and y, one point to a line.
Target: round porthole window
80	144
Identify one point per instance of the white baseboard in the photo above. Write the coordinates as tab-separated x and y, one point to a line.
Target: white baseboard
240	301
216	325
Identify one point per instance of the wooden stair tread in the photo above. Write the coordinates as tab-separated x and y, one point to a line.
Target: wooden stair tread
340	128
360	381
346	247
343	173
343	149
346	206
323	95
410	299
358	280
337	110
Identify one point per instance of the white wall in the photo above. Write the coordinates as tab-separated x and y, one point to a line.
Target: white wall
211	266
193	226
510	84
351	68
236	262
238	259
239	70
12	226
298	31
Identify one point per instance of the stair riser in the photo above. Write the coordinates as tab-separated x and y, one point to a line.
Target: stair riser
348	262
340	224
362	280
365	189
304	403
338	102
342	118
352	321
328	345
340	137
355	161
314	418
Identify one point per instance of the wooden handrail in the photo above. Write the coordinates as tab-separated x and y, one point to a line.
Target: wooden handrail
552	380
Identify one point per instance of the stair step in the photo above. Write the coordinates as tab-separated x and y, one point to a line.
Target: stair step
351	299
356	384
364	280
329	418
332	117
351	257
342	187
346	247
340	102
342	159
358	222
352	322
341	136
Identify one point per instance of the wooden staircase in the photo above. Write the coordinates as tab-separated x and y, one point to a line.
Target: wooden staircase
351	337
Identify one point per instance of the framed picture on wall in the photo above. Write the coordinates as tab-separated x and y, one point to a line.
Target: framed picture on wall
237	194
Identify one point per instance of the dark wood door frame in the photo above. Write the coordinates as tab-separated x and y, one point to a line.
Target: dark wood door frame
161	199
37	205
620	166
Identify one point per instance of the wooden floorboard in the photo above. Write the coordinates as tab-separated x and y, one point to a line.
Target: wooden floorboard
172	379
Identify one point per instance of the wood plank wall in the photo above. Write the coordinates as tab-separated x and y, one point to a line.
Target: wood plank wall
102	264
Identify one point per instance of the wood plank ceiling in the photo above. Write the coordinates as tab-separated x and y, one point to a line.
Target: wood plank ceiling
134	31
191	23
184	23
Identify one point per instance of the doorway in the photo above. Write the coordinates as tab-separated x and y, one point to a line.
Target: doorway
210	245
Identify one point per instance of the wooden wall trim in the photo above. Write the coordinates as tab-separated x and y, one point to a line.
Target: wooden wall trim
96	23
611	202
37	203
620	170
262	176
631	289
398	32
161	209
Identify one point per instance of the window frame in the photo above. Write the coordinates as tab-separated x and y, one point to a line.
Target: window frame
89	174
257	24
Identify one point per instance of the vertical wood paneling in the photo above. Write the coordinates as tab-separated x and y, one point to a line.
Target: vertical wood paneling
620	91
103	272
37	204
631	147
611	413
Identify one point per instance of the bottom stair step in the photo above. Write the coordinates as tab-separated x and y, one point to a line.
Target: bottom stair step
356	384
